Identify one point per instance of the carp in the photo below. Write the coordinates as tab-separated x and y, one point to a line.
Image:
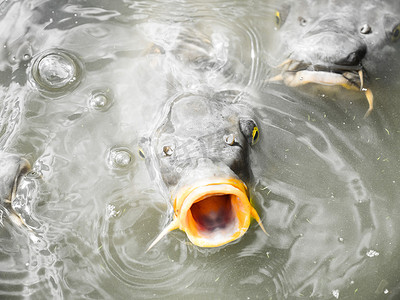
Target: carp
200	151
337	44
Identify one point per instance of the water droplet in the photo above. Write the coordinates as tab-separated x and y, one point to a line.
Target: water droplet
119	158
56	71
341	240
101	100
26	56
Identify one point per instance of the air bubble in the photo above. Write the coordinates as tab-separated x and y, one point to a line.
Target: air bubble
101	100
56	71
98	101
119	158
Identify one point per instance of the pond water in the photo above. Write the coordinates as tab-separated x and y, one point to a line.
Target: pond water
82	82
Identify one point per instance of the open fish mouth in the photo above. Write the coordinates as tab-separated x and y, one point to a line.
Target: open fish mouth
295	73
212	212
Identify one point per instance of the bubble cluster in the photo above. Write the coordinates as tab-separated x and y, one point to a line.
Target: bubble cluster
56	72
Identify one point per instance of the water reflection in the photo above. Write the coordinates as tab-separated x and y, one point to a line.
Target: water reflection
325	179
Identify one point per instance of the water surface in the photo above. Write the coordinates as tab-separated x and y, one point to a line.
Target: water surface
325	179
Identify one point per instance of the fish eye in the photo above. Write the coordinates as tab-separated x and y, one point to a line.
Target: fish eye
255	135
302	21
278	20
250	130
396	33
141	153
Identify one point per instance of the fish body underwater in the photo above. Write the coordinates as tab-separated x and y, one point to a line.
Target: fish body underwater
12	167
337	46
201	153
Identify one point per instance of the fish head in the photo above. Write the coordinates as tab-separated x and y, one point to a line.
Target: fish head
202	153
337	45
199	128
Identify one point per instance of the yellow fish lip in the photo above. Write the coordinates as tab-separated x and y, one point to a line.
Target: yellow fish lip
212	212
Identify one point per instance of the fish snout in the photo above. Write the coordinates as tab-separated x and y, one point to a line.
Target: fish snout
212	212
330	49
328	58
354	58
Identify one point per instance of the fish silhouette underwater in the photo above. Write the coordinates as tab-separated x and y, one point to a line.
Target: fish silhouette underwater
12	168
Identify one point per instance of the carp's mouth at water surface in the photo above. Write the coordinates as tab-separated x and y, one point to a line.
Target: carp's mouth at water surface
296	73
212	212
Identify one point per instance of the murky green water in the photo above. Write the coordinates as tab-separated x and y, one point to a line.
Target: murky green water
326	181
